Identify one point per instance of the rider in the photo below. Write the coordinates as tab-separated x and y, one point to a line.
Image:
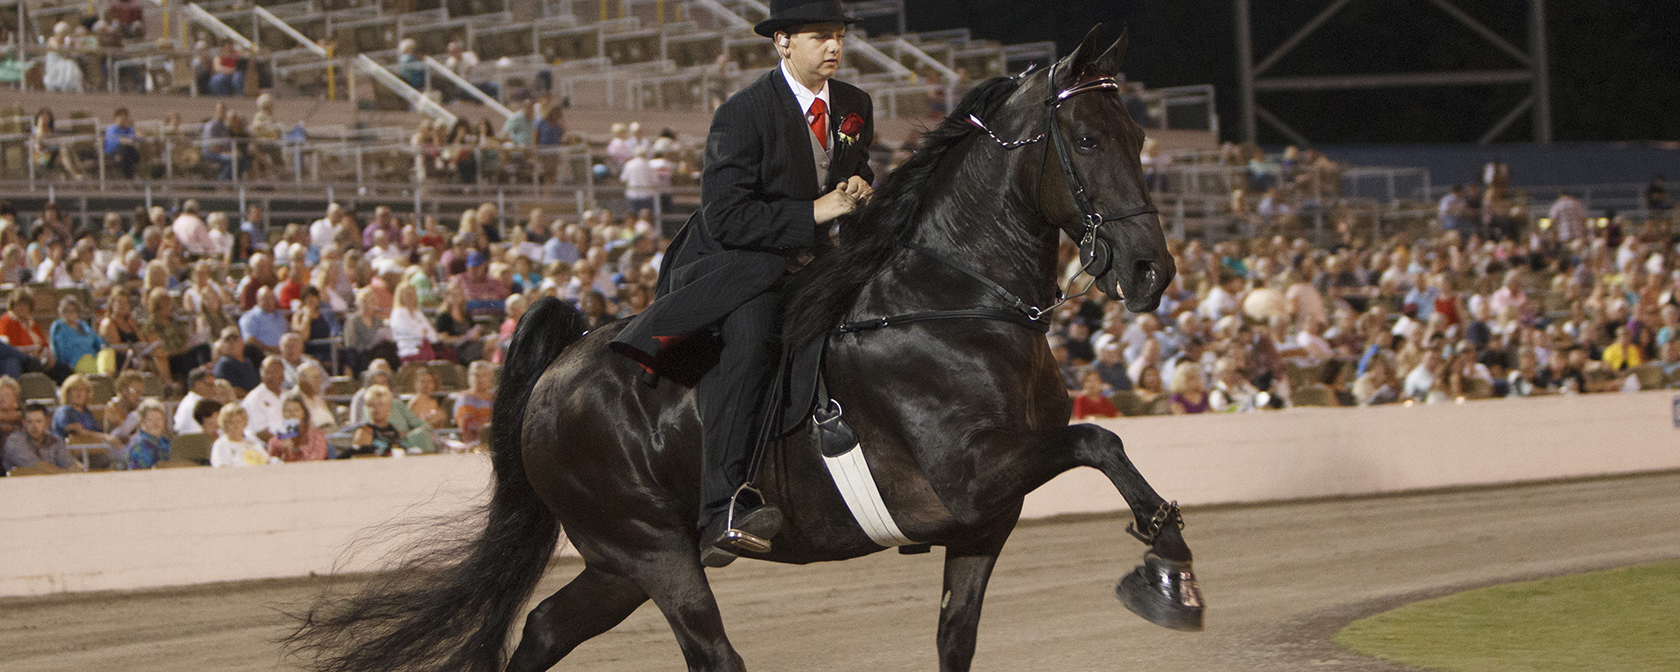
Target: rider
785	157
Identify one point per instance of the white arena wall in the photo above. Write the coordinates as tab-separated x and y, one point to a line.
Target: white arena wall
111	531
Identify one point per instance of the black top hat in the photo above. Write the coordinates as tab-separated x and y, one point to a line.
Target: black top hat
786	14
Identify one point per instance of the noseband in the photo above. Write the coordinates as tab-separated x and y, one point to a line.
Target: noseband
1021	312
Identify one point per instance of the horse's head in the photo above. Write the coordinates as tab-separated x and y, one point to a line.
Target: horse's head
1090	181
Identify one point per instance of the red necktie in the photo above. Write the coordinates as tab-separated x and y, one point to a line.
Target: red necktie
819	121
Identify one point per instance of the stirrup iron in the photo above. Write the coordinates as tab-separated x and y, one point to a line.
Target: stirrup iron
742	540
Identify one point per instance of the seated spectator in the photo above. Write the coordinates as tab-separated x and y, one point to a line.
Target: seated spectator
472	407
73	341
315	324
515	310
261	276
456	327
235	447
216	148
262	326
424	401
366	337
415	432
35	445
121	411
262	404
174	351
122	144
484	293
201	385
311	382
74	418
1231	392
204	413
218	242
558	248
232	366
416	340
1092	400
11	409
376	435
226	77
1149	387
62	71
409	67
298	440
1425	377
150	444
1189	393
1622	354
24	334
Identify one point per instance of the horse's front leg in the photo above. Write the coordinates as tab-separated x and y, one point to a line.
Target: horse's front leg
968	567
1162	589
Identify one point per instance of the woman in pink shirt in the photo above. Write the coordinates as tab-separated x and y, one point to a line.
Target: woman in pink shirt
515	310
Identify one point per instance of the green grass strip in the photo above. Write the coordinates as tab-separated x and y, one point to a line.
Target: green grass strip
1621	620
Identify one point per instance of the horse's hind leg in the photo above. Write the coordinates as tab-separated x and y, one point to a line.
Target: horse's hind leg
591	604
677	583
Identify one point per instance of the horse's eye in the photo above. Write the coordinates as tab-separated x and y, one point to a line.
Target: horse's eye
1086	144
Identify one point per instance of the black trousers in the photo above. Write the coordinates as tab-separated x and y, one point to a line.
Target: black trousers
730	399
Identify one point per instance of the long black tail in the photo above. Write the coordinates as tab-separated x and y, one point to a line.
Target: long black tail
451	603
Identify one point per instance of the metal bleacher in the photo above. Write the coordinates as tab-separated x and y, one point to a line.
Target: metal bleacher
616	54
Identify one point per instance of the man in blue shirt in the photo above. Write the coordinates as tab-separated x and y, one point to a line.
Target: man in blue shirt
120	143
263	325
558	248
232	366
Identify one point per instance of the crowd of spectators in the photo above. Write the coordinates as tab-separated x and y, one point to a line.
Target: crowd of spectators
185	301
1477	305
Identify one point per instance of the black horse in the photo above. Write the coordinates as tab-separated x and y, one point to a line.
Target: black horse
959	408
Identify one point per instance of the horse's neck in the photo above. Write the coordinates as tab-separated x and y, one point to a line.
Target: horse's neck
995	232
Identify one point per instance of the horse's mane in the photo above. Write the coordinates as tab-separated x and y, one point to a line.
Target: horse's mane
870	236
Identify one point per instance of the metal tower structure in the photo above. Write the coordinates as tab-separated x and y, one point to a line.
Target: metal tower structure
1532	69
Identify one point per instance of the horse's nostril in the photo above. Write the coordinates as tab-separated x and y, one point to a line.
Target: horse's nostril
1144	270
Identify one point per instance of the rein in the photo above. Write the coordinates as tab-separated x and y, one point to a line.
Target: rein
1021	312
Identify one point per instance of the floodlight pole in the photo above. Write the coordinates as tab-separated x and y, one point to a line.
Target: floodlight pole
1245	72
1542	73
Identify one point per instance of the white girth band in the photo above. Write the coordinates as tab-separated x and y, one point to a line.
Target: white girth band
857	487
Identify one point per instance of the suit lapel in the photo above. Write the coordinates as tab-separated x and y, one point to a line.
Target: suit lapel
792	119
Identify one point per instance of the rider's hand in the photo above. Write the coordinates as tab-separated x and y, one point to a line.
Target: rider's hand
832	204
858	188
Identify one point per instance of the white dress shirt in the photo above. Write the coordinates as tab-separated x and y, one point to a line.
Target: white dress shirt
262	406
806	96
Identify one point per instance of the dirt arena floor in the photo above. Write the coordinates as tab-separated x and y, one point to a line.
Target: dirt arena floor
1279	579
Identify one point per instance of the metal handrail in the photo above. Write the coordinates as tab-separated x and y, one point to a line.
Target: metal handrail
422	103
466	86
208	20
291	32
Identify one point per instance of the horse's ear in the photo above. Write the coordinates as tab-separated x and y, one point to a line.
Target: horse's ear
1074	65
1109	63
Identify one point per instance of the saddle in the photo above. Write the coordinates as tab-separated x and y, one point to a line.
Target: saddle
797	406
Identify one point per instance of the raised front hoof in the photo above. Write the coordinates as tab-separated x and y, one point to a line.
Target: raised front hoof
1163	592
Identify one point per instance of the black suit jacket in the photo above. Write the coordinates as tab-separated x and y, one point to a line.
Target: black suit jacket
757	188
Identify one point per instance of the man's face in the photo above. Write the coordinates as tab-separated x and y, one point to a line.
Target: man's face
292	349
273	375
36	424
813	53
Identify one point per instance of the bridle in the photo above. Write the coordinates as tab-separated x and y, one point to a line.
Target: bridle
1021	311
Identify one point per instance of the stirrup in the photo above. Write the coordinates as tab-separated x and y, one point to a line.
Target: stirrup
740	539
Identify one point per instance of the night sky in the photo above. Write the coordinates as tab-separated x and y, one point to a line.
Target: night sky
1615	64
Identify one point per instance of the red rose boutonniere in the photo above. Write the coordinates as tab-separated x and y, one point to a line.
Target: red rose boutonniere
850	127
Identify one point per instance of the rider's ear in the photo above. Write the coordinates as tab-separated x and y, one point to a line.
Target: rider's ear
1074	65
1109	63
